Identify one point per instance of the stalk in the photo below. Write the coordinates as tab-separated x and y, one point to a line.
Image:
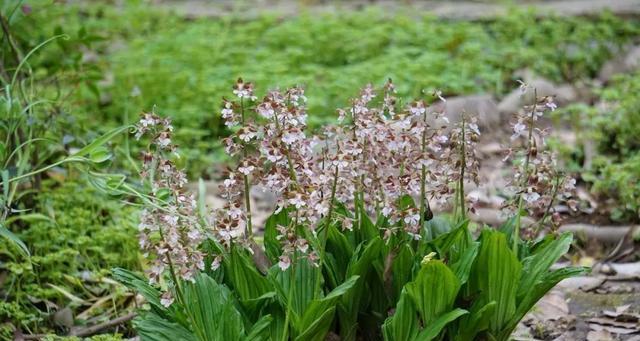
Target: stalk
463	163
423	176
247	187
323	241
516	236
548	208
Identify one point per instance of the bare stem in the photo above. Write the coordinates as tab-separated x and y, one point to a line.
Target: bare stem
247	186
423	174
463	164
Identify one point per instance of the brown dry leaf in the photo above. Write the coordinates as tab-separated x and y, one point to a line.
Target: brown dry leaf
552	306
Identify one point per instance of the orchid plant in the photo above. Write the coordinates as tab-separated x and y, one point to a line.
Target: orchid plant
353	249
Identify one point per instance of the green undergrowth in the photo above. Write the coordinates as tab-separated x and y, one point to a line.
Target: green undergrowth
613	128
150	58
77	235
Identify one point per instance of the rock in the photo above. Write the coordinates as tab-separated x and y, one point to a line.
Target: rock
624	63
515	100
482	106
63	318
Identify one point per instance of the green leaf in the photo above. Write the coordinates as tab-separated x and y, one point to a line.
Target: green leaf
367	230
454	244
548	281
248	283
317	317
360	265
260	329
318	329
213	310
151	327
141	285
495	277
96	144
404	324
433	329
30	218
436	227
462	268
536	266
434	290
271	243
402	269
4	232
477	321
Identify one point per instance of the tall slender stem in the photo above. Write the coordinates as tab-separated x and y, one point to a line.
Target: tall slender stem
323	240
423	175
245	178
516	236
463	165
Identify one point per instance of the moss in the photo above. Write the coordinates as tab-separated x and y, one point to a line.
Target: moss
86	235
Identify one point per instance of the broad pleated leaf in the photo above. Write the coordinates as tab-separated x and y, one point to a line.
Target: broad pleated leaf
433	329
151	327
434	291
495	277
404	323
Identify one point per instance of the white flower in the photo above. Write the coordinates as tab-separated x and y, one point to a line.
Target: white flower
246	170
166	299
386	211
297	202
215	264
518	129
284	263
227	113
290	138
194	235
228	183
247	136
163	141
531	197
321	209
412	219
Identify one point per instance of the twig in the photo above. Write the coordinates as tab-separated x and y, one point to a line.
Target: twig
106	325
81	332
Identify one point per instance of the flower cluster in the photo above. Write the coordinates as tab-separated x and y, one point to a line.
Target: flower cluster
169	231
537	183
378	155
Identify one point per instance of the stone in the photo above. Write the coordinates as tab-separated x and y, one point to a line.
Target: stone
624	63
482	106
515	100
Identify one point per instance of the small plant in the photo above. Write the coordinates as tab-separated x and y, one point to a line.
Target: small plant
353	248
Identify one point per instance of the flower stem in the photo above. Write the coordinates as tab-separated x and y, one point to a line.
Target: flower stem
424	203
463	164
323	241
516	232
245	178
